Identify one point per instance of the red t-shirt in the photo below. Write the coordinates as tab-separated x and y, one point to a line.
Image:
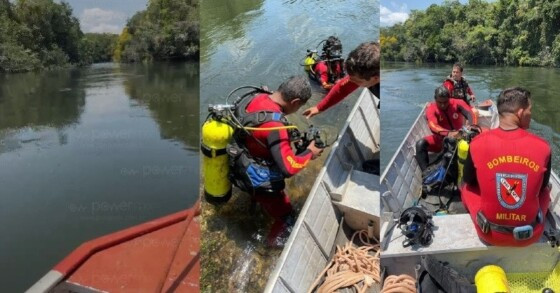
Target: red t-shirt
279	148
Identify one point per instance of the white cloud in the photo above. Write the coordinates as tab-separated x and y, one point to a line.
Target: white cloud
388	17
97	20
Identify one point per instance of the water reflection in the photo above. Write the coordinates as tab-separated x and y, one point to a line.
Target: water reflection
171	92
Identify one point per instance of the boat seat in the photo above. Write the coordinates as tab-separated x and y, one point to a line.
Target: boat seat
360	201
452	233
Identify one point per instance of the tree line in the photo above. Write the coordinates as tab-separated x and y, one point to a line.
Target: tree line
43	34
504	32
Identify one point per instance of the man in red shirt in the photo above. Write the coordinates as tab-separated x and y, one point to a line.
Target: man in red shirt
506	176
458	86
273	159
445	118
362	66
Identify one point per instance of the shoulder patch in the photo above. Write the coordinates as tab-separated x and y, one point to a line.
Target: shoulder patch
511	190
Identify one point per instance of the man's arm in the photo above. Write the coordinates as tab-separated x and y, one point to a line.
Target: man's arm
433	122
466	111
340	90
469	171
546	177
282	153
322	70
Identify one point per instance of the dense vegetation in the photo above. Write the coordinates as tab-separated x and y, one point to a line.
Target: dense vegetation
504	32
42	34
167	29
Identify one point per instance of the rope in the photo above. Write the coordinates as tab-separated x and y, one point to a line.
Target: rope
399	284
352	266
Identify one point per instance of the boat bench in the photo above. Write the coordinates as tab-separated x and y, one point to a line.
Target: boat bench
455	235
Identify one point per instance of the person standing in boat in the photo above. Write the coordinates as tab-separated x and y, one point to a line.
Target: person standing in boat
362	67
445	118
458	86
506	176
329	69
272	149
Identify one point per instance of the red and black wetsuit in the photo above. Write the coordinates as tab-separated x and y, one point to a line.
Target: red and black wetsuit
506	178
458	89
278	150
340	90
321	70
442	122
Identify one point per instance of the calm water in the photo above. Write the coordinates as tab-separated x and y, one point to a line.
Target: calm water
406	87
262	43
87	152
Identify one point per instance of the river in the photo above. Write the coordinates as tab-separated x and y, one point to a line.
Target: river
88	151
262	42
406	87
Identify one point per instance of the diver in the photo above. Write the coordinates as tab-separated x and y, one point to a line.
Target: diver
259	150
328	68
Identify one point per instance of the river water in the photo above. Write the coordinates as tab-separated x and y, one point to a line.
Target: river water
406	87
260	42
86	152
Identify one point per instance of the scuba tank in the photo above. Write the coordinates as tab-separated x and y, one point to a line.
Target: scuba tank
216	134
490	279
310	60
462	152
463	149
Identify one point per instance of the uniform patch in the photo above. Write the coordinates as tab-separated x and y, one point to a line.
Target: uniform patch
455	115
511	189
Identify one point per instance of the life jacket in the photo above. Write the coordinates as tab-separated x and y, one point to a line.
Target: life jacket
249	173
459	89
510	168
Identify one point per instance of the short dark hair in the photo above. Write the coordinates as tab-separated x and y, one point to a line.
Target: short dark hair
441	91
364	60
295	87
458	65
512	99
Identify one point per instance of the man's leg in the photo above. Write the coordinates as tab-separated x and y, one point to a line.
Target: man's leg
431	143
278	206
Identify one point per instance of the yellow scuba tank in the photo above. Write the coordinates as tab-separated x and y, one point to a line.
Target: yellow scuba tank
309	61
462	152
215	137
491	279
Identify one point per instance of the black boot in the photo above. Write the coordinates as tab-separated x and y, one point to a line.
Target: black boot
422	154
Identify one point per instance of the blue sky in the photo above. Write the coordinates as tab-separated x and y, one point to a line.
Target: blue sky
105	16
392	11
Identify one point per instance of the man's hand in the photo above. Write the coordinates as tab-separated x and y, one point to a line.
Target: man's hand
327	86
315	150
311	112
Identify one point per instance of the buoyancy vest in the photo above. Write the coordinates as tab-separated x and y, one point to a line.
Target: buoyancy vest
459	89
510	168
249	173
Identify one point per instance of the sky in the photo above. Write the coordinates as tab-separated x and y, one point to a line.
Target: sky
105	16
392	11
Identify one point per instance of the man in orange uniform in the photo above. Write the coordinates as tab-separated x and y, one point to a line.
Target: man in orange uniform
445	118
506	176
458	86
271	158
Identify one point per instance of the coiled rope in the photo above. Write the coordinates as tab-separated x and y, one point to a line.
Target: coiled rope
352	266
399	284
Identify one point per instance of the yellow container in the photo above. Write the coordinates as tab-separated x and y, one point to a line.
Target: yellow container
462	152
491	279
215	137
309	62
